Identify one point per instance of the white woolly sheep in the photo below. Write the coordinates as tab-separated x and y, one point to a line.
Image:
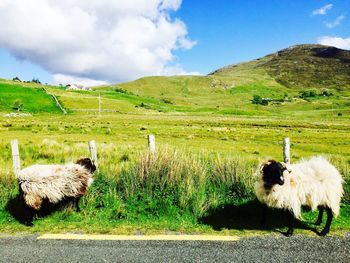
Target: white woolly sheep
54	183
314	183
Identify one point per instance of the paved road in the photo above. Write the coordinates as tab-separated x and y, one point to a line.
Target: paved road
256	249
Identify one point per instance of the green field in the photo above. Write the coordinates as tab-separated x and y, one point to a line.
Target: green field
203	170
33	100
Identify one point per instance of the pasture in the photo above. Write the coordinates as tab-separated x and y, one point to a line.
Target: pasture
200	180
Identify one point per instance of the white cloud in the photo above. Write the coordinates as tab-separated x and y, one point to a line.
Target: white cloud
323	10
343	43
105	40
335	23
66	79
178	71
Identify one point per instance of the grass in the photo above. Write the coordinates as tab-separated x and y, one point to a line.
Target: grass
200	181
33	99
169	192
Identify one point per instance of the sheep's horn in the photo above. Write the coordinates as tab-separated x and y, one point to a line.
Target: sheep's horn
263	165
287	166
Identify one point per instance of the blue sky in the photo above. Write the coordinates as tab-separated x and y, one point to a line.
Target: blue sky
234	31
211	34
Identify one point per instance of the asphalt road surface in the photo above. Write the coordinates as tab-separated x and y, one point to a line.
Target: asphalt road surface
254	249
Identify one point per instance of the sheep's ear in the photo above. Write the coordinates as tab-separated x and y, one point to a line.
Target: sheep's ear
265	164
287	166
87	163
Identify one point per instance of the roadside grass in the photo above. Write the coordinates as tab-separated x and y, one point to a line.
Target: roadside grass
175	191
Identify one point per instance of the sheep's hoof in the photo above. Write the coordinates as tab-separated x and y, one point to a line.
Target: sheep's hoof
289	233
323	233
317	223
29	223
263	225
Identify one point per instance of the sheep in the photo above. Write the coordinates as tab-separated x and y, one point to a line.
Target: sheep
54	183
314	183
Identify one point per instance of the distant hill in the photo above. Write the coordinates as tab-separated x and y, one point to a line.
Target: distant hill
301	66
299	80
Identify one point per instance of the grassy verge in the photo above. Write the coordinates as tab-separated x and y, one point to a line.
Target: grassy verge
165	193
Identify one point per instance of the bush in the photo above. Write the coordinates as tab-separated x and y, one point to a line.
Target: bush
312	94
144	105
307	94
123	91
259	100
120	90
326	93
167	101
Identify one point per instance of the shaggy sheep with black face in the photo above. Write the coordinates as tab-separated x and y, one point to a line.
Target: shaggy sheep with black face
314	183
54	183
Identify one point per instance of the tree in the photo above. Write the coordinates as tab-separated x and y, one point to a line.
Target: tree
36	81
17	105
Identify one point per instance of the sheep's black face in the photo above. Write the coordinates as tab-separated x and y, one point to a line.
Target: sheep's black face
88	164
273	173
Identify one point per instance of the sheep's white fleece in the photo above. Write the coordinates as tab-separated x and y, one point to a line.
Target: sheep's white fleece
53	182
311	183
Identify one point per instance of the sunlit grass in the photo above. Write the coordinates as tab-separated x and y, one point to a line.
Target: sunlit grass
202	165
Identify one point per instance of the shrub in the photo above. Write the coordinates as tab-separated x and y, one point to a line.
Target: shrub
120	90
144	105
307	94
123	91
326	93
259	100
167	101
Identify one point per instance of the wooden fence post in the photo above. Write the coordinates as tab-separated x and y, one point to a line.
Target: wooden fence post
15	157
93	152
286	150
152	143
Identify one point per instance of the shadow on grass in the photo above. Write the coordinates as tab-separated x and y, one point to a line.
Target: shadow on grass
248	216
20	211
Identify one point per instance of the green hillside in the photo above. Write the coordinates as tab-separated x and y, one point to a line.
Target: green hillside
25	98
304	80
299	67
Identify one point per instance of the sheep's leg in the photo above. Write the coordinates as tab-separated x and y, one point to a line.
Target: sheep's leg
28	216
264	215
76	204
327	227
290	223
320	216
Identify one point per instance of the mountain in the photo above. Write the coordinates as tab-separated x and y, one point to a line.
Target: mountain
302	66
299	80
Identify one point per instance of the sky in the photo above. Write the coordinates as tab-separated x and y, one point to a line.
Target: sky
93	42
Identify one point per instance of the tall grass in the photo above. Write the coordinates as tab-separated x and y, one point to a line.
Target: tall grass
136	186
190	182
